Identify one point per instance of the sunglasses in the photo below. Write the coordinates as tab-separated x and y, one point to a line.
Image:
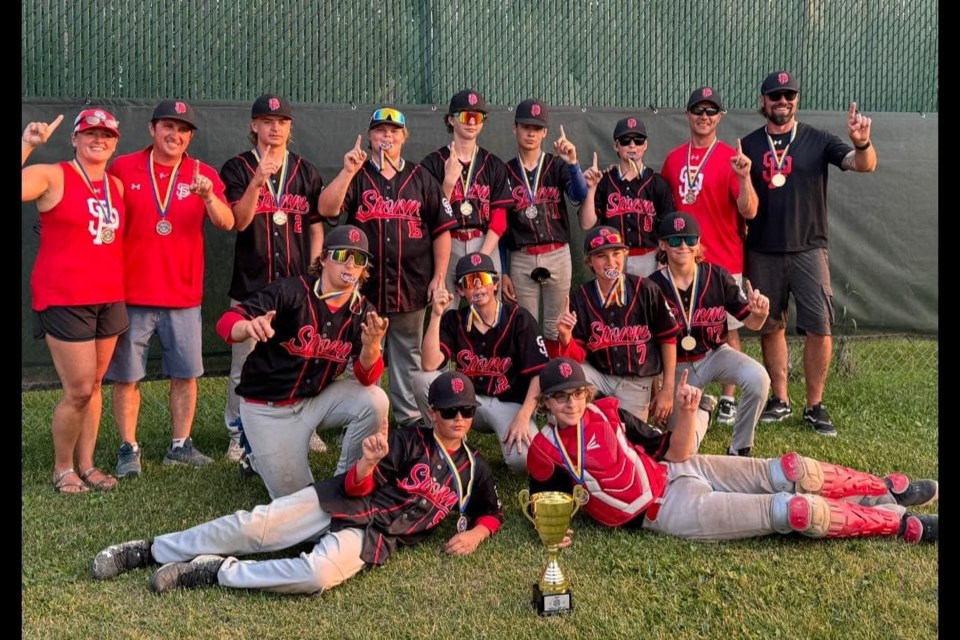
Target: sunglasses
626	140
470	117
676	241
479	279
775	96
610	238
95	121
341	256
388	115
449	413
563	397
705	111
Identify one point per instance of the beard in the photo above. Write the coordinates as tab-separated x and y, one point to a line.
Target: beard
779	118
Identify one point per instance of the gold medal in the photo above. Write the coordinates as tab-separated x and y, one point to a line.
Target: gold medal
778	180
164	228
530	212
690	197
689	343
279	218
466	208
107	235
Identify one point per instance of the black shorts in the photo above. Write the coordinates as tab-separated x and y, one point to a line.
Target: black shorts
81	323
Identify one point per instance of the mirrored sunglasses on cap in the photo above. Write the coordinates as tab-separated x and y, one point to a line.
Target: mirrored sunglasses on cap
478	279
610	238
449	413
341	256
676	241
470	117
388	115
97	121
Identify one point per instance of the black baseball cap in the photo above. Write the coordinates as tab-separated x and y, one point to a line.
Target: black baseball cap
679	223
779	81
560	374
475	262
705	94
175	110
271	105
467	100
451	389
347	236
630	125
602	237
532	111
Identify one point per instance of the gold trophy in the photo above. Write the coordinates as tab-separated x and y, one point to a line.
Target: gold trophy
551	512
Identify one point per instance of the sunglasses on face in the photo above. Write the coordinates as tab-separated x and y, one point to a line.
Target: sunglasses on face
610	238
470	117
676	241
626	140
389	115
704	111
480	279
341	256
95	121
563	397
449	413
774	96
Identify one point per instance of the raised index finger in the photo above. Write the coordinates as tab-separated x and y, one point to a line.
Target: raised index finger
357	145
53	125
563	136
595	165
749	288
566	304
683	377
196	171
739	148
853	110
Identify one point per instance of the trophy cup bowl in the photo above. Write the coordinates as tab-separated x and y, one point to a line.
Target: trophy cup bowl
551	512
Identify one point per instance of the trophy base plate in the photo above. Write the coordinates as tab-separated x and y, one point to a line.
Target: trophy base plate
551	604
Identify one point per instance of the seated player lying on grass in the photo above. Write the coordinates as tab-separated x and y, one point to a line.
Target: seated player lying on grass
635	475
399	491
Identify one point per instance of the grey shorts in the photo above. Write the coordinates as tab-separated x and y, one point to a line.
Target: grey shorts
179	332
805	275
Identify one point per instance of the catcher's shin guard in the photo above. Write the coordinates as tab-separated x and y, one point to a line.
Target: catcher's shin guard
822	478
819	517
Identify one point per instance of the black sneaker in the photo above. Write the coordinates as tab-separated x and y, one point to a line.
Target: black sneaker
916	493
199	572
128	461
118	558
916	527
743	453
776	410
818	417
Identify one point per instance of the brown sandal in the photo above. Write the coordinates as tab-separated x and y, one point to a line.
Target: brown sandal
62	485
105	483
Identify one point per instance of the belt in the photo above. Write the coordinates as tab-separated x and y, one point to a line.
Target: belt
537	249
274	403
466	234
640	251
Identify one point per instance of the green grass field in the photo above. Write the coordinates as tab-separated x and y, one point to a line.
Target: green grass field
626	584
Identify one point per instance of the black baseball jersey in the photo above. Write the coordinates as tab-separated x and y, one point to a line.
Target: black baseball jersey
401	217
792	217
265	250
311	345
717	294
622	340
488	187
552	222
634	207
501	361
415	491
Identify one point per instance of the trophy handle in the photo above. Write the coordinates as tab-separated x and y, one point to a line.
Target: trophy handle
579	498
524	497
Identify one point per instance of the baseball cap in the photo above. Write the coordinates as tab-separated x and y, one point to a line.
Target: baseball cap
474	263
629	125
271	105
679	223
705	94
451	389
96	119
532	111
600	238
560	374
175	110
347	236
779	81
467	100
388	115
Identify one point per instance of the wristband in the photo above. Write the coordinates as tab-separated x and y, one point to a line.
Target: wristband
864	147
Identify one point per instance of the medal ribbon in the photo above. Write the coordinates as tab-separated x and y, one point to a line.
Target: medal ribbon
616	295
688	312
532	191
383	157
633	165
466	182
278	192
575	470
780	158
105	217
692	171
164	204
334	294
474	314
463	497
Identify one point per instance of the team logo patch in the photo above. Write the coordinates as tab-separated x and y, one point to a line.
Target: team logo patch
457	385
679	224
565	370
783	78
707	92
475	260
179	107
632	122
535	110
472	98
274	104
354	235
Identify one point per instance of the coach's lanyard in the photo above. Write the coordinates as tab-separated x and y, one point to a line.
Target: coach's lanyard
278	192
463	495
576	470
